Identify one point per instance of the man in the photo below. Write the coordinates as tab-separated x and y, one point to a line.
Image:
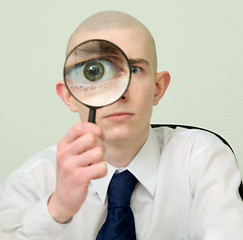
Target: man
188	180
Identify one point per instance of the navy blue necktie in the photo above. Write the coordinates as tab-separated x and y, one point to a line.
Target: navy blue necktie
119	224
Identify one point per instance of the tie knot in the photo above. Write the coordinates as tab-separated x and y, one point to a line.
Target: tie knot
120	189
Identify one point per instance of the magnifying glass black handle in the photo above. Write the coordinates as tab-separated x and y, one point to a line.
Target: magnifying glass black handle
92	114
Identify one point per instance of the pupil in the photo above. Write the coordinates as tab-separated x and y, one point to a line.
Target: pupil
94	71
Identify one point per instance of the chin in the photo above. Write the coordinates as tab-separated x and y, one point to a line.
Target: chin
126	134
119	133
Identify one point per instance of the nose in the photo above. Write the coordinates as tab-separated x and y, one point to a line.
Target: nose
125	95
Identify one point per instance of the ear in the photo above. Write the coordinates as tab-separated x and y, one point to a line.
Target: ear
162	81
63	93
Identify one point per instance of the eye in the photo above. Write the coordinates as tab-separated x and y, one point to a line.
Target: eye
93	70
135	70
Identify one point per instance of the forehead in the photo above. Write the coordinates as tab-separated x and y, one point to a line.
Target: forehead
133	41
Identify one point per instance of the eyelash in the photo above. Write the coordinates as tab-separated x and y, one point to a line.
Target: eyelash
95	59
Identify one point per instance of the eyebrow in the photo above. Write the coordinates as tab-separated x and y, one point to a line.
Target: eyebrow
138	61
94	48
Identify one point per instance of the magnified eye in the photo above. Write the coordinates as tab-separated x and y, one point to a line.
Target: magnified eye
96	70
97	73
93	71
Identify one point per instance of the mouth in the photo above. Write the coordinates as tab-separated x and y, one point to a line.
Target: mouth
119	116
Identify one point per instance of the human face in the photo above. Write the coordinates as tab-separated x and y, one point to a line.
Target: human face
128	119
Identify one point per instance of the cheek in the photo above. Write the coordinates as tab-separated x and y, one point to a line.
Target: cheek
147	93
146	104
83	112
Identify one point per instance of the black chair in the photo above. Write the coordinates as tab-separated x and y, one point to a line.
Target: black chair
192	127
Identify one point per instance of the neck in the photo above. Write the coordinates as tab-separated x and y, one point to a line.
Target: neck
121	153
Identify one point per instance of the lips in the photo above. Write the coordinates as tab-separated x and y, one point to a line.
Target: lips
119	116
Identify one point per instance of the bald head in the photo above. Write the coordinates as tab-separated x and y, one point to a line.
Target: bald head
109	20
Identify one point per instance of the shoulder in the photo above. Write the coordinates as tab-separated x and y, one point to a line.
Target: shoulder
34	178
196	148
188	136
40	167
189	143
45	158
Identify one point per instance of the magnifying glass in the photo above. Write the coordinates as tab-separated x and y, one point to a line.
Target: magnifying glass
97	73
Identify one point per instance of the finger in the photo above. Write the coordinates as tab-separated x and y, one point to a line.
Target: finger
97	170
89	157
80	129
85	143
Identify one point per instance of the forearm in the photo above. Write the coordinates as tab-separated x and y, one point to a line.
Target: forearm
34	223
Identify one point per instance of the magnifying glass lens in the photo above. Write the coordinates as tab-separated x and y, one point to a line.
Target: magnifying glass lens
97	73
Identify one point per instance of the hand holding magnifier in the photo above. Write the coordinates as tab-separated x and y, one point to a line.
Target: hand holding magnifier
97	73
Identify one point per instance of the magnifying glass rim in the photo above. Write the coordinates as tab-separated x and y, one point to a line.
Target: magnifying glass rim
97	40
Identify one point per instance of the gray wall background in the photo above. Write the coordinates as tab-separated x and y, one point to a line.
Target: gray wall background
198	42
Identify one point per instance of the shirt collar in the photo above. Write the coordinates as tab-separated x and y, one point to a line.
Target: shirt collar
144	167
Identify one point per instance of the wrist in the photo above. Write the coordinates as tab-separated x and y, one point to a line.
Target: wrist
57	212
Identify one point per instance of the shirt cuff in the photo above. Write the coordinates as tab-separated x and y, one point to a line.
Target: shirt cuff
38	223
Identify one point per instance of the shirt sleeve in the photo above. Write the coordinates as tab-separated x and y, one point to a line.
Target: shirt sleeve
217	208
23	203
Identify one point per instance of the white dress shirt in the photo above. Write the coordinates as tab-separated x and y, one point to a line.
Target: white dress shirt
187	189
